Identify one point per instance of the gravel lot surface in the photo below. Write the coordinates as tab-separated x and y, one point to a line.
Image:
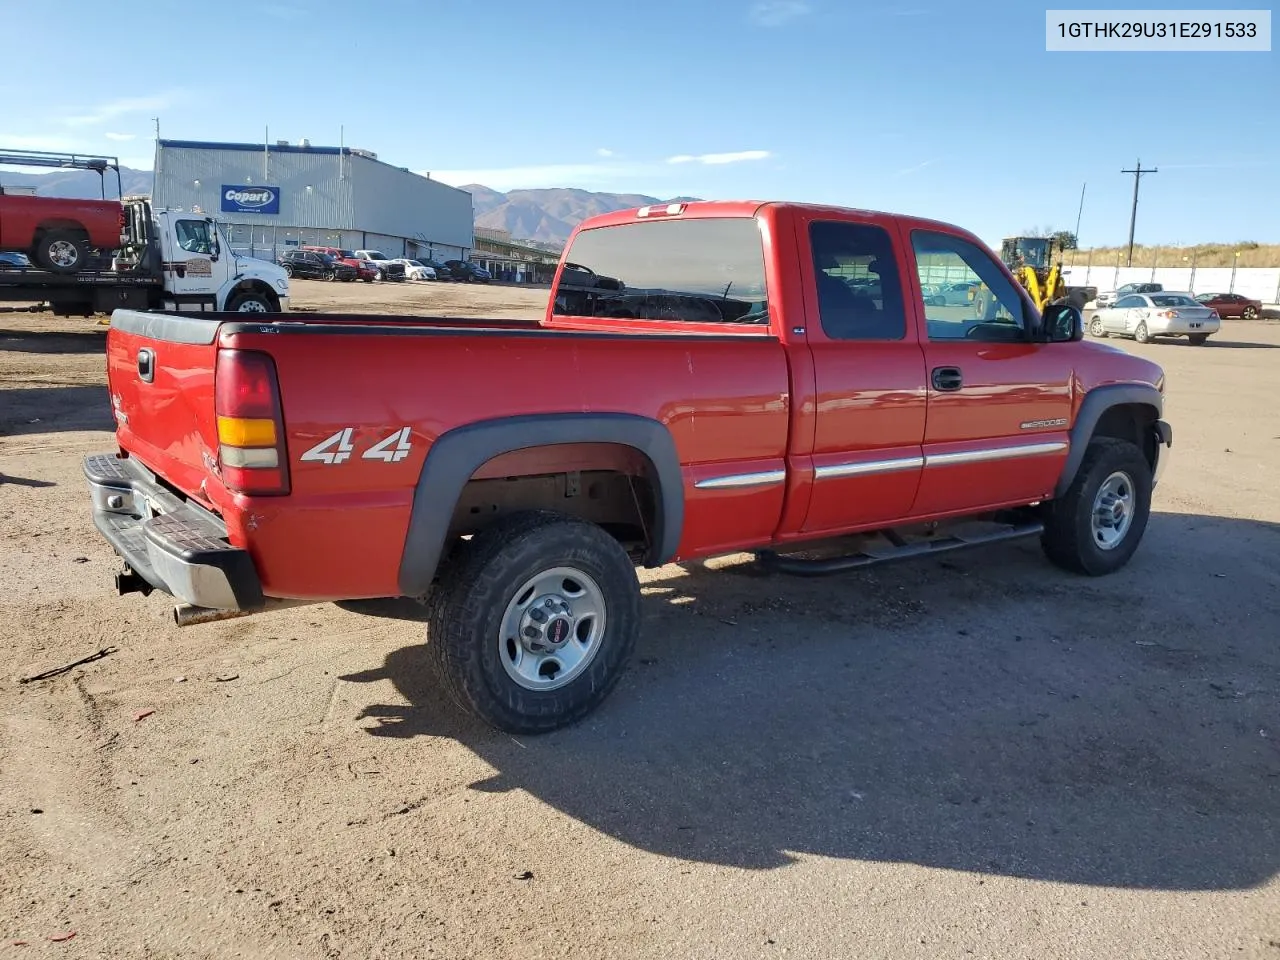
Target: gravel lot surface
977	756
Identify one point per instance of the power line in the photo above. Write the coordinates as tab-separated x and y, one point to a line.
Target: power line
1133	214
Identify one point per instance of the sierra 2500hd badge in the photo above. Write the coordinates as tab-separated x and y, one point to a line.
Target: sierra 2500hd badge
1043	424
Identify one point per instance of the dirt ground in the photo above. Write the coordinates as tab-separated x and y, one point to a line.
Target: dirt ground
977	756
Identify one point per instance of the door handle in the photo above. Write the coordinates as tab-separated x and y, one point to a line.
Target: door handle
146	364
947	378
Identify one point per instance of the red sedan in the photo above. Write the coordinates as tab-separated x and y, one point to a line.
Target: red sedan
1231	305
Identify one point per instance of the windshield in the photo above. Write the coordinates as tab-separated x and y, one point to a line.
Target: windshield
1034	251
703	270
346	253
1172	300
374	255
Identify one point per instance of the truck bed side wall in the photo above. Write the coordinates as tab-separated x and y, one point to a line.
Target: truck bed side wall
341	533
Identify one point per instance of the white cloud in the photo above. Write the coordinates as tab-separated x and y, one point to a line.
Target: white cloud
713	159
119	108
547	175
53	142
120	136
605	173
774	13
907	171
604	152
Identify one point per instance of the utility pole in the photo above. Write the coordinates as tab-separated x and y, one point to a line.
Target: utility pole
1133	215
1080	213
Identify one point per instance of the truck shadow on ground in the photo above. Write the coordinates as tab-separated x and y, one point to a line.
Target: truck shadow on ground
56	408
92	339
986	713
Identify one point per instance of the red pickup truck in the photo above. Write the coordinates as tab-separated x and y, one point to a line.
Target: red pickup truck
710	378
59	234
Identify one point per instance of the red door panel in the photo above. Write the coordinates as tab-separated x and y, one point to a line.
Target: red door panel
998	404
869	374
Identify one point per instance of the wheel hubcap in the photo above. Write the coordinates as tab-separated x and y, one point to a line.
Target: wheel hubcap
63	253
552	628
1113	511
1096	327
252	306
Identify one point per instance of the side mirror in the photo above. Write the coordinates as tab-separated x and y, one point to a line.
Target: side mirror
1062	323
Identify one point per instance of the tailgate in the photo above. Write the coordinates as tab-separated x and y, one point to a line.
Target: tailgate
160	377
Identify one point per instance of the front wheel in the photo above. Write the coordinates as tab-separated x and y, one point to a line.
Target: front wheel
288	271
1096	329
1249	313
1095	527
250	303
1141	334
533	621
331	275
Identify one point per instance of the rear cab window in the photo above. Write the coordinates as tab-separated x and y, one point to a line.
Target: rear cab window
697	270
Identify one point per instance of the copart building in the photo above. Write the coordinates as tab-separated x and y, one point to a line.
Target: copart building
271	196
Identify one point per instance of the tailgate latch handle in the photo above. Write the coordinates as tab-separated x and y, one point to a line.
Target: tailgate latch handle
147	364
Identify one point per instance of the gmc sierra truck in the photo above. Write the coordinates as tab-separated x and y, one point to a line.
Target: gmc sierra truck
710	378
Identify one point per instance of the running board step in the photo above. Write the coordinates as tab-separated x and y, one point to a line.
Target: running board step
801	567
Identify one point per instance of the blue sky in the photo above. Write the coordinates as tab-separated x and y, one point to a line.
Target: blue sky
946	109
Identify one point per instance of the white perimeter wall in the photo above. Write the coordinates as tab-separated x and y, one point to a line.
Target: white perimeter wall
1261	283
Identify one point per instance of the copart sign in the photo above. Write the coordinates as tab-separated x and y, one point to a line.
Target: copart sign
246	198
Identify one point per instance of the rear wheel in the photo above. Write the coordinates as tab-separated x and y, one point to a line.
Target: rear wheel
62	251
1198	339
533	621
1095	527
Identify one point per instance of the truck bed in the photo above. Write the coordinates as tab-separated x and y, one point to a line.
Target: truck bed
371	379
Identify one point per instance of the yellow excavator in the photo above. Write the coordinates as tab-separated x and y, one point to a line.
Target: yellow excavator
1030	260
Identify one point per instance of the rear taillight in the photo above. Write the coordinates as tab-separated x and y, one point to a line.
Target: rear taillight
251	446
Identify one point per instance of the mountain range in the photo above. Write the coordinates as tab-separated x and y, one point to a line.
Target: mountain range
547	216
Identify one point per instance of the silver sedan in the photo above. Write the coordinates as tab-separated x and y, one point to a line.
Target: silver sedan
1145	316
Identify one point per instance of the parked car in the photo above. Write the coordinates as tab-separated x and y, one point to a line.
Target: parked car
957	294
1231	305
365	270
14	261
315	266
414	270
1144	316
442	272
387	268
467	271
513	473
1109	297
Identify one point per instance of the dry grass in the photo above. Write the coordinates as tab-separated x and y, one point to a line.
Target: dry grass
1205	254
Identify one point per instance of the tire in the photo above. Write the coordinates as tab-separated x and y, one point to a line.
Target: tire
288	271
62	251
1198	339
250	302
1249	313
1071	539
1096	329
1140	334
368	279
477	592
331	275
